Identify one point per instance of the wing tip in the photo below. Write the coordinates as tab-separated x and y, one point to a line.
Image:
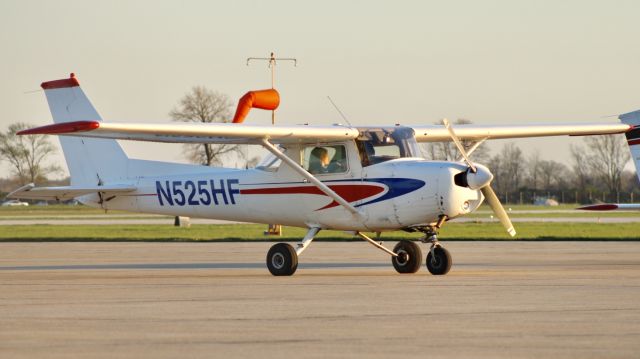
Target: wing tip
62	128
599	207
26	188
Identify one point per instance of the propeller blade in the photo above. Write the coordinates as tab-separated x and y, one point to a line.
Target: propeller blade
487	191
497	208
458	144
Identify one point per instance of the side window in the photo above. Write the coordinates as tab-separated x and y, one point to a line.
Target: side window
325	159
270	163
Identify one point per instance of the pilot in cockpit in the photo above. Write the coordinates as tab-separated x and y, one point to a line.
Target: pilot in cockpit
319	160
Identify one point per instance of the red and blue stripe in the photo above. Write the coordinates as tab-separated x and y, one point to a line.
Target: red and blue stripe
368	190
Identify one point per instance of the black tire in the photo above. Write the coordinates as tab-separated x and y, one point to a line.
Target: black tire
282	259
440	262
409	257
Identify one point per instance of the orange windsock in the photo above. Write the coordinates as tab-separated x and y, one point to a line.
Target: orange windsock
262	99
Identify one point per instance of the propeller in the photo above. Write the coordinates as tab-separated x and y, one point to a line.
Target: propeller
479	177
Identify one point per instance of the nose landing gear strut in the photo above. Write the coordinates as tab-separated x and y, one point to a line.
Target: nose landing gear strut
438	259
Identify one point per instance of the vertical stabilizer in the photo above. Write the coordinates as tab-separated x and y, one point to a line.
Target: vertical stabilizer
90	161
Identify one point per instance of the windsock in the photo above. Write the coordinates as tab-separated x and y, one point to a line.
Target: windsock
262	99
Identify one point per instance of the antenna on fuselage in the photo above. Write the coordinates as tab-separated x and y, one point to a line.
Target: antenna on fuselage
272	65
340	112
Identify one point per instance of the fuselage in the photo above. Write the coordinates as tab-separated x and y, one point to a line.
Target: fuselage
391	195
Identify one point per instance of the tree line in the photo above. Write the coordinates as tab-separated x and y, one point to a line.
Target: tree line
597	167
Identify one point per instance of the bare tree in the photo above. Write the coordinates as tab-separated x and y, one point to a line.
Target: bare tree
582	176
27	154
606	156
551	174
533	163
507	167
447	151
205	106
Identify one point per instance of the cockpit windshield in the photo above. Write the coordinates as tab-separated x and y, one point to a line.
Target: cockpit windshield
384	144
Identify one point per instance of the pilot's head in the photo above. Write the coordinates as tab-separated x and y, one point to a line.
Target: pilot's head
322	155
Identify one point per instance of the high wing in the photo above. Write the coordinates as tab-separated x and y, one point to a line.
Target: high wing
245	133
66	192
438	133
198	132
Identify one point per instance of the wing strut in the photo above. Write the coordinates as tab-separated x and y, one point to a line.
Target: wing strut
321	186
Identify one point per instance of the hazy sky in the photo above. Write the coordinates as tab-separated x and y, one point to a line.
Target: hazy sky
503	62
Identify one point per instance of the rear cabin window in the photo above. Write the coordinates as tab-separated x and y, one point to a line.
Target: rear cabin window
325	159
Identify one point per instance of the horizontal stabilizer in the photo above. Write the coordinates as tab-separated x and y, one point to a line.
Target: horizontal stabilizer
30	191
612	207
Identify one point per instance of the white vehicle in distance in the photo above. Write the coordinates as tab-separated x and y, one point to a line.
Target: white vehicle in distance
14	203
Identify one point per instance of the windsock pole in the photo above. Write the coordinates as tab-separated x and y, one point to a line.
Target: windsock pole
272	65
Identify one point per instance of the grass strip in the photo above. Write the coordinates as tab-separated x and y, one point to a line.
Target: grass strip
254	232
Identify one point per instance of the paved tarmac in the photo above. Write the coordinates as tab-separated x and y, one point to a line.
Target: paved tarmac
110	221
217	300
107	221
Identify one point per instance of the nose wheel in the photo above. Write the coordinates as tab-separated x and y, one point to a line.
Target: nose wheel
438	260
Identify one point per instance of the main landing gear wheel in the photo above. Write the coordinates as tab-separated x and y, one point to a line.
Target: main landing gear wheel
438	261
409	257
282	259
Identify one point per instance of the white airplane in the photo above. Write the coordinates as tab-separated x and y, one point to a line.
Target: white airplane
633	140
360	179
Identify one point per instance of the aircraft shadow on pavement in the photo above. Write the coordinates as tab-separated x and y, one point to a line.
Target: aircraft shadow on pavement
185	266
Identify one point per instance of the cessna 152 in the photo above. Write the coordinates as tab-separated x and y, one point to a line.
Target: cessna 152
360	179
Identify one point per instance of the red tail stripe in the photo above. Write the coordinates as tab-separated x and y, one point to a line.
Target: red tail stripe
72	81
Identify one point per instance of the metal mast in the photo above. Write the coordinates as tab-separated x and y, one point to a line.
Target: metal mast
272	65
